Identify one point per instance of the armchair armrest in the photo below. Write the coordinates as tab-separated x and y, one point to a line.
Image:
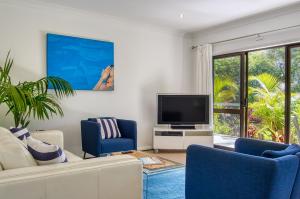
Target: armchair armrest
256	147
128	129
214	173
50	136
90	137
296	190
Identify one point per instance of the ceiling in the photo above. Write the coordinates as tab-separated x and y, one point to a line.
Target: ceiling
197	14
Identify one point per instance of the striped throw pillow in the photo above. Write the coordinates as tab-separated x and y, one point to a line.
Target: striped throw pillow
109	128
45	153
21	133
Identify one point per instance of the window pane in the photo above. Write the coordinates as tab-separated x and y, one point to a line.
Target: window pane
266	97
227	82
227	124
295	95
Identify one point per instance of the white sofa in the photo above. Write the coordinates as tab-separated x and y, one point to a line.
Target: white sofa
115	177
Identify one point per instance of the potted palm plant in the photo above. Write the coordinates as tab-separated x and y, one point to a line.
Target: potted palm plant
31	99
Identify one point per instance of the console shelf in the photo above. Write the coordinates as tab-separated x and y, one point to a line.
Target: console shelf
168	138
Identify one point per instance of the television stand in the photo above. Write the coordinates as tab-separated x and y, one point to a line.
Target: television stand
183	127
165	137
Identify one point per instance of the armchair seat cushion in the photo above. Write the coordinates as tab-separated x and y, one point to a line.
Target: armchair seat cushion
117	144
292	149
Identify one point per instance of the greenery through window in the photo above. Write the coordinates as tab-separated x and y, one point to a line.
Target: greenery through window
227	95
226	82
265	91
266	94
295	95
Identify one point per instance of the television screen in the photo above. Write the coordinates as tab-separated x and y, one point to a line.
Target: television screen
183	109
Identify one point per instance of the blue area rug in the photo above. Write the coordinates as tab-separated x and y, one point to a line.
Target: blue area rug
165	185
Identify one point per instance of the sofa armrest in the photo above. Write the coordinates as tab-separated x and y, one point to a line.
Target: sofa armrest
50	136
214	173
128	129
97	178
91	137
256	147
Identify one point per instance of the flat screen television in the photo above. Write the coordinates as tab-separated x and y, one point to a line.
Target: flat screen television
183	109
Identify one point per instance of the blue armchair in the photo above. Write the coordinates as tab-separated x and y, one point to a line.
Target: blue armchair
93	144
243	174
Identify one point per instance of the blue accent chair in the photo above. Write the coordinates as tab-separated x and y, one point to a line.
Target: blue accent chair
93	144
241	174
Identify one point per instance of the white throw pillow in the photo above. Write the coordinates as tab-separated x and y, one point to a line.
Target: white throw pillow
20	133
45	153
13	152
109	128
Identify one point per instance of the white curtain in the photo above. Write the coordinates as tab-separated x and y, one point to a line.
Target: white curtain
204	80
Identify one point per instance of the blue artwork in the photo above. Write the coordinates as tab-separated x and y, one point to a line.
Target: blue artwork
86	64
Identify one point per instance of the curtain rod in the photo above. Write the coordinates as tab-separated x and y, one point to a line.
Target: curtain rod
251	35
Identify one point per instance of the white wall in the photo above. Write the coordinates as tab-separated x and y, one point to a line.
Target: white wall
148	60
282	18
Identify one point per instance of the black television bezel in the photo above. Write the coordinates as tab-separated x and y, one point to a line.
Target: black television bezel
159	110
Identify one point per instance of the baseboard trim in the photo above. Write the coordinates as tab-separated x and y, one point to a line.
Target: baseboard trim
144	148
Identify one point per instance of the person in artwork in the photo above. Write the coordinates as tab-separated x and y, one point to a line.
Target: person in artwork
106	81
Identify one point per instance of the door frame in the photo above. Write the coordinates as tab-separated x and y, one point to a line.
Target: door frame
242	111
288	64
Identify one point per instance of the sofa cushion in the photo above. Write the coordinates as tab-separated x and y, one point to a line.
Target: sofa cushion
93	162
72	157
55	137
45	153
13	152
290	150
117	144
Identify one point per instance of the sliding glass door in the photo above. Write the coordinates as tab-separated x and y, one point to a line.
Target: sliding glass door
228	92
294	55
257	94
266	94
